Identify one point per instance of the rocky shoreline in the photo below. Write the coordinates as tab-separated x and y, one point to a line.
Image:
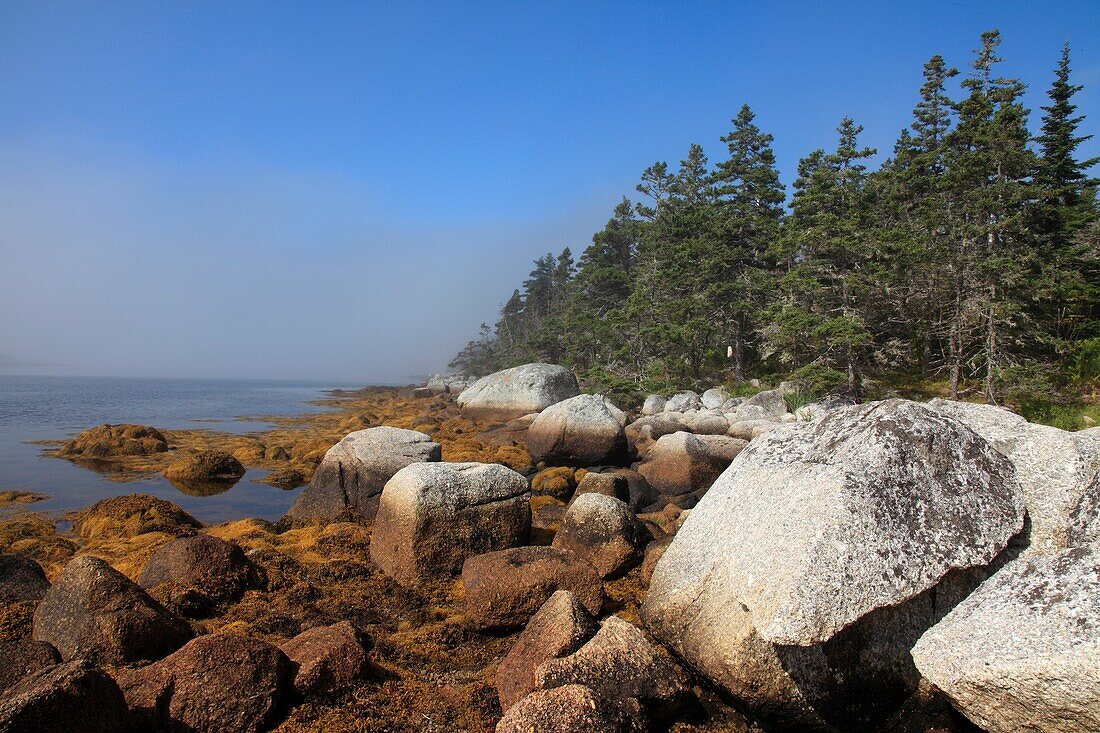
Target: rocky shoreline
513	555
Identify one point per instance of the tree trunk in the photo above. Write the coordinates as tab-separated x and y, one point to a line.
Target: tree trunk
926	352
738	351
990	353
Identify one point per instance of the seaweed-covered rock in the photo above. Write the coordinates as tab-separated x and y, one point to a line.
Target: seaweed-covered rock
602	530
94	612
132	515
74	697
582	430
328	658
112	441
1022	653
220	683
195	575
559	628
21	579
890	513
433	516
518	391
205	467
347	484
504	589
287	477
556	481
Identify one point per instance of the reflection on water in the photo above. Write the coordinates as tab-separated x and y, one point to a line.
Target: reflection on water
204	488
56	408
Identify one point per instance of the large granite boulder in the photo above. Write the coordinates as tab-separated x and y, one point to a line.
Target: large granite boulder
433	516
603	531
559	628
1000	426
1055	467
21	579
803	577
219	683
94	612
504	589
1022	653
681	463
1084	519
196	575
584	430
518	391
347	484
75	697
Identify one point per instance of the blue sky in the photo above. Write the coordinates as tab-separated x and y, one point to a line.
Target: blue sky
328	190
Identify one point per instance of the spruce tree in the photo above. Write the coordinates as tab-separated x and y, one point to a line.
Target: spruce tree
832	273
1066	206
914	206
989	167
748	198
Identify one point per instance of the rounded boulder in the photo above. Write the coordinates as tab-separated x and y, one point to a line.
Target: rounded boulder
582	430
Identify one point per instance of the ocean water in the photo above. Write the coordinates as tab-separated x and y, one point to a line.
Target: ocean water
51	408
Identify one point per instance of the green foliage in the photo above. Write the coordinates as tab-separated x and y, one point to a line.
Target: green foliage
800	396
1085	362
1072	416
970	259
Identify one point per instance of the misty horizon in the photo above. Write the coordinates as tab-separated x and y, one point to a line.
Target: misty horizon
348	196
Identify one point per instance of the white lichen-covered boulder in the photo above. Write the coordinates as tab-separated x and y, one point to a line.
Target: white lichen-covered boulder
684	401
772	404
1084	519
586	430
347	484
714	398
432	516
518	391
802	578
1055	467
1000	426
654	404
1022	653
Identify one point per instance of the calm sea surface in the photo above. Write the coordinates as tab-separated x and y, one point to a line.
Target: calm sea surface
48	408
